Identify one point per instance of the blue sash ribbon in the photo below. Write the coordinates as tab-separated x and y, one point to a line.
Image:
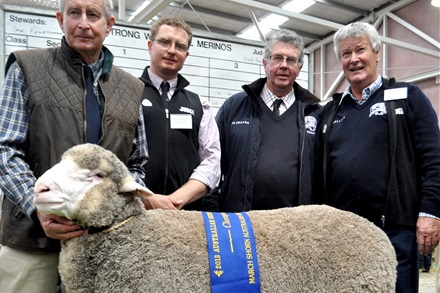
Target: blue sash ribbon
232	253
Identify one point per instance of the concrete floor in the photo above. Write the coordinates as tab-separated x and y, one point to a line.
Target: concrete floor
427	282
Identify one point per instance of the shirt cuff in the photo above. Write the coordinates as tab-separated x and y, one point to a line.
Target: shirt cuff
428	215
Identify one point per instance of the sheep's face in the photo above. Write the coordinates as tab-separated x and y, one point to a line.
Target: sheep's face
60	189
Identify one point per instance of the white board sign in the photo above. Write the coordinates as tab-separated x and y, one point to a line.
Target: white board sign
215	69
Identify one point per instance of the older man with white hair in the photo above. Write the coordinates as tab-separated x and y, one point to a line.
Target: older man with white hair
378	152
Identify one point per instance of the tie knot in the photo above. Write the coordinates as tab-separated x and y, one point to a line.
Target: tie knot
276	107
165	86
277	103
88	73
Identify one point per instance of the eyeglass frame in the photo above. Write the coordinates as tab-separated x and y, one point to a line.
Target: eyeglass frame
166	44
288	59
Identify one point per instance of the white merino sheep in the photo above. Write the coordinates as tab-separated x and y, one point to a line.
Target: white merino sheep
129	249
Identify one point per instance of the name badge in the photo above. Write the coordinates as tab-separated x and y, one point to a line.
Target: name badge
395	94
181	121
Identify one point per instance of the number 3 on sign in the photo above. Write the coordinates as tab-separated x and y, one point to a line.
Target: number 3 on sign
235	65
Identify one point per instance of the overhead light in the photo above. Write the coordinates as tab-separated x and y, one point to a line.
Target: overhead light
140	8
435	3
298	5
273	21
251	33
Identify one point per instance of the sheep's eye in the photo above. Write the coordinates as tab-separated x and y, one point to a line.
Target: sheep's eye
101	175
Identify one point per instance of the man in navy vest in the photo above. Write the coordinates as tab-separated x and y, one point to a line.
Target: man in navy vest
182	135
379	152
267	135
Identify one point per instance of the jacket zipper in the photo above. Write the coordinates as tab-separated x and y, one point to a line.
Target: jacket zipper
167	128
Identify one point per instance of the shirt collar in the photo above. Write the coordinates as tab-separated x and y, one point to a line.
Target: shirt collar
268	97
97	66
366	92
156	80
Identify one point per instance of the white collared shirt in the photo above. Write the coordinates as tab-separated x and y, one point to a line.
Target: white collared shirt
156	80
269	98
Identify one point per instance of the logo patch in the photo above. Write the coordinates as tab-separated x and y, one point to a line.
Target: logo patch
187	110
378	110
239	122
146	103
311	123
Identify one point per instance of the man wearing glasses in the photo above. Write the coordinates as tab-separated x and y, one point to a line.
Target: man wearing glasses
183	139
267	135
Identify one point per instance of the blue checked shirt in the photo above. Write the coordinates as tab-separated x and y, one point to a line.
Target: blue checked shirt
366	92
16	179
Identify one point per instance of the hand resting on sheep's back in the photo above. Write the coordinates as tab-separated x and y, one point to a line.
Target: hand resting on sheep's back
129	249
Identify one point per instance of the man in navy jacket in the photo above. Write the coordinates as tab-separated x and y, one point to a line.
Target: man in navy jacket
383	167
267	135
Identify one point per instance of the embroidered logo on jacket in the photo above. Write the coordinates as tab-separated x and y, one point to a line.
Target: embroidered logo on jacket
378	110
311	123
187	110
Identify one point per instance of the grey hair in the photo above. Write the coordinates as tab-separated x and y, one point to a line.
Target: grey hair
288	37
107	3
356	30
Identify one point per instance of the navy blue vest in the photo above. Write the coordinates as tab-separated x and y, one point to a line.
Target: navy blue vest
173	153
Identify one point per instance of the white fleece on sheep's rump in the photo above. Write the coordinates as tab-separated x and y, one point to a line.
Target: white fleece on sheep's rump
302	249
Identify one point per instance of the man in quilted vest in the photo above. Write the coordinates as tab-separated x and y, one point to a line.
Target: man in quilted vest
53	99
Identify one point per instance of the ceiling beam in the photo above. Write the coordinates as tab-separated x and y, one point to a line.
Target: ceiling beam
121	9
214	13
278	10
370	18
303	33
343	6
151	10
257	25
421	76
414	29
410	47
197	26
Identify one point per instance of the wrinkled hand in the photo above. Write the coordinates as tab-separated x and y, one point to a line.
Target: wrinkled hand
159	201
428	234
58	227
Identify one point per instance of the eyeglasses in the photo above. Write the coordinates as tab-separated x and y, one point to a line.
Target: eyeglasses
166	44
291	61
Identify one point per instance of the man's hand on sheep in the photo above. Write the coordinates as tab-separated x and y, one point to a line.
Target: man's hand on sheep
189	192
428	234
59	227
159	201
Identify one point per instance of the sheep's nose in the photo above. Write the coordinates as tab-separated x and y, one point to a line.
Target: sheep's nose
41	187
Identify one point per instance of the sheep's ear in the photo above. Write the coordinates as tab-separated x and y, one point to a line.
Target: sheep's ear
135	188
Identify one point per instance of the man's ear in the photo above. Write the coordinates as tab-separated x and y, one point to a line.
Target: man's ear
110	22
60	18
